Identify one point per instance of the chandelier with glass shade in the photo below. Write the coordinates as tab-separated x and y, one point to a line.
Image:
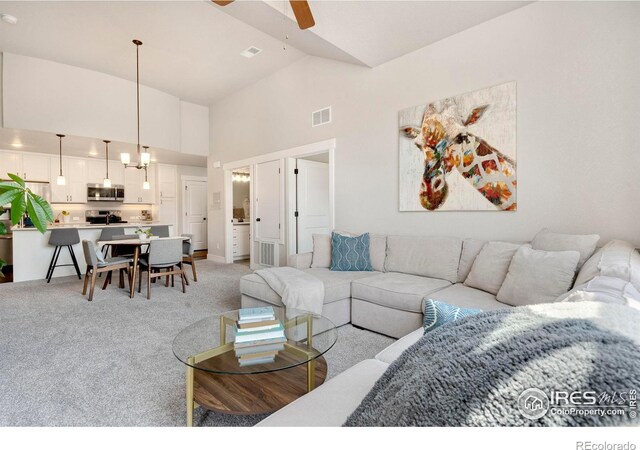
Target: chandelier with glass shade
144	157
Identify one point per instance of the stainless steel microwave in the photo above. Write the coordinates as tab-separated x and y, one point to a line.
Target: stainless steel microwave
98	193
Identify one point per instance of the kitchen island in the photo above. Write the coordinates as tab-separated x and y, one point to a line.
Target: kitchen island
32	252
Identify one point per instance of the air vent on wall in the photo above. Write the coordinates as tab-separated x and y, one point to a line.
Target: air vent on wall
250	52
321	117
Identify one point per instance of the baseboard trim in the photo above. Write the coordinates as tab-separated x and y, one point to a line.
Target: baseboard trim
216	258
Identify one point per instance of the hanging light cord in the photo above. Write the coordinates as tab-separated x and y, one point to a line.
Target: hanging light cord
60	138
106	144
138	44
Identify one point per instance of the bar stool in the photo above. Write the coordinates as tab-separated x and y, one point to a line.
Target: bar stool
160	230
107	234
63	238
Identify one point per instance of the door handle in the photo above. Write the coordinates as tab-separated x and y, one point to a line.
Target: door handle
204	218
258	219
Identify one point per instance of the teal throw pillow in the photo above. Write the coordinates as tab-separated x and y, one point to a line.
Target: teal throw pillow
350	253
438	313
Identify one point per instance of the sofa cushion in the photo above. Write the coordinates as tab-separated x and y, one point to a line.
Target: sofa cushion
618	259
396	290
350	253
490	266
470	249
337	285
321	258
536	276
466	297
435	257
389	354
585	244
605	290
330	404
438	313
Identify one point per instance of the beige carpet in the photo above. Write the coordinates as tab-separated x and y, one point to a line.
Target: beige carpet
67	362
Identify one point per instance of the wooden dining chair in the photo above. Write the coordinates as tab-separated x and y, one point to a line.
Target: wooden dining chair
97	264
164	260
187	256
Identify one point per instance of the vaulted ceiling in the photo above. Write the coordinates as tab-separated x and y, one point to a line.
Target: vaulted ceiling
192	48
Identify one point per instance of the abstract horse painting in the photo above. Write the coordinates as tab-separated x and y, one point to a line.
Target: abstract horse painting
459	154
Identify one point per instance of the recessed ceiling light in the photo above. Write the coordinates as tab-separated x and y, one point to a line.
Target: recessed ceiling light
8	18
251	52
17	145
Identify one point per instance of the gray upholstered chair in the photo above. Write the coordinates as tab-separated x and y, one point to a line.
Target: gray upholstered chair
164	254
66	237
160	231
97	263
187	256
108	234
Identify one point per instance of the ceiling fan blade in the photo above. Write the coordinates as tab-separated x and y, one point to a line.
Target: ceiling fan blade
222	2
303	13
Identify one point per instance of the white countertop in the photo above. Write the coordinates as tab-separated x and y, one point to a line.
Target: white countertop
87	226
240	223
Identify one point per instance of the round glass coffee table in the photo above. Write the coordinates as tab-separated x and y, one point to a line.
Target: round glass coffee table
218	381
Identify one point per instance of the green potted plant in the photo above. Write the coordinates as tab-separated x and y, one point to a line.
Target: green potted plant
145	234
24	202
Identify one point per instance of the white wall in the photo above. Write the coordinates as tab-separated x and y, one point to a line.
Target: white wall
577	67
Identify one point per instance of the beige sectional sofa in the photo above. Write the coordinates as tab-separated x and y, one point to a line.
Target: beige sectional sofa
389	300
612	275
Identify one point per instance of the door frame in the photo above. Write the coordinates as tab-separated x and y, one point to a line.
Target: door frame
316	148
183	195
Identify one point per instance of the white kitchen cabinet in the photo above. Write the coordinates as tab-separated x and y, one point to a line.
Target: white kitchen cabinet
168	211
167	181
35	167
75	188
241	241
28	166
133	186
10	163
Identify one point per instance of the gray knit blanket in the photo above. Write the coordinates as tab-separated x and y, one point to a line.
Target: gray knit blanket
472	372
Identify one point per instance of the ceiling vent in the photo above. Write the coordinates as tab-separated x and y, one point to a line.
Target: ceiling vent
250	52
321	117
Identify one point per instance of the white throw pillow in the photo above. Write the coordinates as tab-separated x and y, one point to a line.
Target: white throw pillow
537	276
490	266
605	290
470	250
321	258
585	244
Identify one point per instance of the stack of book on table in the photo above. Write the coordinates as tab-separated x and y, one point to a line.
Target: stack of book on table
259	336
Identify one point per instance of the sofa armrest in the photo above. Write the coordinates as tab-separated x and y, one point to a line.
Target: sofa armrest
301	260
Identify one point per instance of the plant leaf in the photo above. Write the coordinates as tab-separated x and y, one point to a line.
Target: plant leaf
3	228
2	264
18	207
10	196
37	214
17	179
44	205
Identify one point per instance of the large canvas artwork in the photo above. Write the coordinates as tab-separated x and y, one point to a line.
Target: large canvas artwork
459	154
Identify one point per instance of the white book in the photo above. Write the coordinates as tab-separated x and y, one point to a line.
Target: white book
251	362
259	348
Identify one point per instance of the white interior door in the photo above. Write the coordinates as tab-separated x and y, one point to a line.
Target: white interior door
312	184
268	194
195	211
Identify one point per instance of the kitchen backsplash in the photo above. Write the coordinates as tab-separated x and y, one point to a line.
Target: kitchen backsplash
130	213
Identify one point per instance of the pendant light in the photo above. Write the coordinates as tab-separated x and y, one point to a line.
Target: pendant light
144	158
60	180
146	184
107	181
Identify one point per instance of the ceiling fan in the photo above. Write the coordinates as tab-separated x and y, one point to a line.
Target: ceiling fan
300	9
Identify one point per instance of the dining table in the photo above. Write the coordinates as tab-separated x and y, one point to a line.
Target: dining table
137	245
